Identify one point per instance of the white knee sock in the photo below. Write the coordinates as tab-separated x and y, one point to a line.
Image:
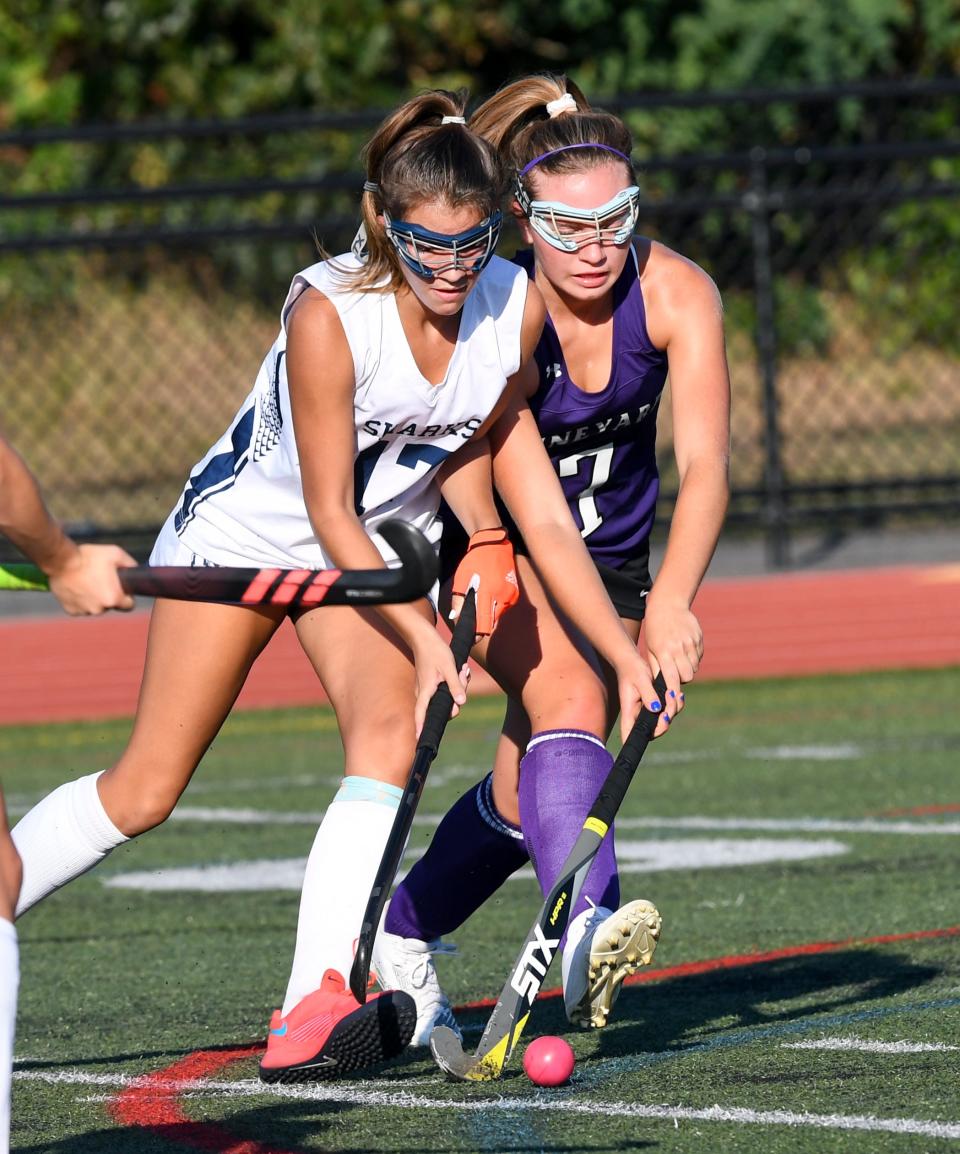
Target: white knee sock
339	876
9	982
63	836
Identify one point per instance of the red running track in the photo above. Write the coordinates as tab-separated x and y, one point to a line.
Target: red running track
62	669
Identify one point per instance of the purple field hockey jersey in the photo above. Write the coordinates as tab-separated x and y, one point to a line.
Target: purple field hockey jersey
603	445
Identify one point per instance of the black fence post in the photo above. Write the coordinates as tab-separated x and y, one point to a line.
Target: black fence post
757	201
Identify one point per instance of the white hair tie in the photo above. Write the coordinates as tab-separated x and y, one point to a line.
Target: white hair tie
564	103
453	120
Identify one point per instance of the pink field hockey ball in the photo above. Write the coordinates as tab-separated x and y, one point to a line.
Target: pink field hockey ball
548	1061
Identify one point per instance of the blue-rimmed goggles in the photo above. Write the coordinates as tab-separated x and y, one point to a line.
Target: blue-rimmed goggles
570	229
430	253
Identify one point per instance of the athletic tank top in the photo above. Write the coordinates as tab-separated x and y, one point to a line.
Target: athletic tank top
243	503
603	445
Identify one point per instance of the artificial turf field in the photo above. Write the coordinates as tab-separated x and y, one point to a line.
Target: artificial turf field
799	837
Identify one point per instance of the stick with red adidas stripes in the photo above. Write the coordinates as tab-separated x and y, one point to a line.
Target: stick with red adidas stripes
413	579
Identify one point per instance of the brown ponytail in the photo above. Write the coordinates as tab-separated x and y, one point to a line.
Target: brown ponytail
414	158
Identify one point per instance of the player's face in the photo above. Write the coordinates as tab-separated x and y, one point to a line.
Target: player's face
442	252
597	244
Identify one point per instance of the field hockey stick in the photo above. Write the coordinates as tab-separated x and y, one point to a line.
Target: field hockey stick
435	722
413	579
513	1007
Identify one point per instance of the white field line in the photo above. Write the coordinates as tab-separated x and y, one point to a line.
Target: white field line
845	751
653	856
663	854
599	1074
759	824
232	816
550	1102
861	1044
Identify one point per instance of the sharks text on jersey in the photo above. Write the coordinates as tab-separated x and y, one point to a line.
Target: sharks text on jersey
381	429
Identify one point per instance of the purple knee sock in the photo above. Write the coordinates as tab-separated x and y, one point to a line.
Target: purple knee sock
560	777
473	852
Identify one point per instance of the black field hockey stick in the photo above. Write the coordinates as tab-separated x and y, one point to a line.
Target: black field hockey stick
438	714
513	1007
292	587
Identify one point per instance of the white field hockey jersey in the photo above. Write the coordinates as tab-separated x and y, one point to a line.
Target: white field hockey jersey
243	504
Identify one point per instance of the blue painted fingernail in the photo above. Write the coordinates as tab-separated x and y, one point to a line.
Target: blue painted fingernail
655	707
670	693
683	697
666	718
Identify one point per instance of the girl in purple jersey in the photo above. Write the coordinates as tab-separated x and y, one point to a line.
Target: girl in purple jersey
622	311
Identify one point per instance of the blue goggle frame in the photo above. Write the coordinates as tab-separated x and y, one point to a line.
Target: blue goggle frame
570	229
428	253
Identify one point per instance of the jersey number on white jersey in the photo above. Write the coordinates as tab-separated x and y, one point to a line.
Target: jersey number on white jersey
409	457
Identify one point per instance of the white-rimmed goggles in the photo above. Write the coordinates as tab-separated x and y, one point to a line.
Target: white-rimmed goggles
429	253
570	229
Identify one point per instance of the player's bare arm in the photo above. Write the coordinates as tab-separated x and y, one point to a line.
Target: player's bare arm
467	487
83	578
488	565
686	319
321	379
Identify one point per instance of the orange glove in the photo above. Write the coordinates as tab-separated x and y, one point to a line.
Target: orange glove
488	567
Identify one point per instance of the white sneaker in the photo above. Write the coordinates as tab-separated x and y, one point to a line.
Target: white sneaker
602	949
407	964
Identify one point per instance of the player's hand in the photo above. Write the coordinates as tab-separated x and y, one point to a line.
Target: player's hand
87	583
637	691
488	567
674	640
434	666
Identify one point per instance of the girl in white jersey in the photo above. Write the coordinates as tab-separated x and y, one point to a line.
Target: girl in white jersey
385	375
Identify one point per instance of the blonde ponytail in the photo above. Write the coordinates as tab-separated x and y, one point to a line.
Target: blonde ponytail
546	119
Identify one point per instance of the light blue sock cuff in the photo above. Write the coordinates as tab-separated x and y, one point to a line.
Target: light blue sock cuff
369	789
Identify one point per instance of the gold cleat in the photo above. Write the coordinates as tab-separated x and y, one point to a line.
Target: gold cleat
621	944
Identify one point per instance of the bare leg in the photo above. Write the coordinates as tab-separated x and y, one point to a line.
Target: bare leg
372	693
551	678
514	737
10	869
632	626
539	660
198	656
547	675
516	734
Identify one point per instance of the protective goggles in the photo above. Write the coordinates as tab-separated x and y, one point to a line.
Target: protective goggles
570	229
429	253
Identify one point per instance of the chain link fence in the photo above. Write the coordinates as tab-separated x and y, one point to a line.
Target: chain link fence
138	305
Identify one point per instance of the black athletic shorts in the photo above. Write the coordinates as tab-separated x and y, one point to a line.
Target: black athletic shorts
628	586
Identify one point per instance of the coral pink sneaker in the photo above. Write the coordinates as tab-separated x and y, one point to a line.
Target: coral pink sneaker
328	1033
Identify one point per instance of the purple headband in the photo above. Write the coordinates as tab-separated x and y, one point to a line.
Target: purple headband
566	148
